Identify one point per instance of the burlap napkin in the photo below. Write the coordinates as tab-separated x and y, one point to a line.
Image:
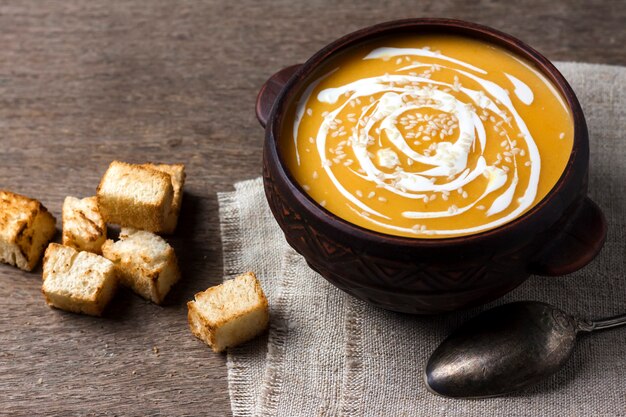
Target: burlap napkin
330	354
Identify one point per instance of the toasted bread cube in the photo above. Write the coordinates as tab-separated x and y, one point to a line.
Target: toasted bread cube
177	175
135	196
145	262
26	227
80	282
83	226
229	314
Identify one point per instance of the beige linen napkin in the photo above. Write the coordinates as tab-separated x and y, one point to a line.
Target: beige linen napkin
330	354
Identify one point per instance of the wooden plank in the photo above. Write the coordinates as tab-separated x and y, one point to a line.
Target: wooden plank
83	83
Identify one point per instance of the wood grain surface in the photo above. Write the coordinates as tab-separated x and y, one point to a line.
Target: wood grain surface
84	82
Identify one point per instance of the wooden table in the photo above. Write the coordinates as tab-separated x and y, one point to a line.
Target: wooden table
83	83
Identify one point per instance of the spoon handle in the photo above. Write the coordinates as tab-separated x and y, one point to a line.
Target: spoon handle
601	324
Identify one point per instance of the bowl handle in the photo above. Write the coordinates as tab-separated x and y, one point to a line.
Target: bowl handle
577	245
270	90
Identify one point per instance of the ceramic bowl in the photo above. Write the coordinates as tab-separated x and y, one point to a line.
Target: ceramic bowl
559	235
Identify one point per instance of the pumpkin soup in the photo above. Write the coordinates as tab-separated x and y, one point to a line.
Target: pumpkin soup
428	136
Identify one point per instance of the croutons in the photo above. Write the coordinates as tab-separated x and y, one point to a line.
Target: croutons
83	226
135	196
177	175
26	227
144	262
80	282
229	314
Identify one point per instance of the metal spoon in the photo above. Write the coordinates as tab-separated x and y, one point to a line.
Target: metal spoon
505	349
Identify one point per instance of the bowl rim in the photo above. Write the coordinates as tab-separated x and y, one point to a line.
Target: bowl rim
454	26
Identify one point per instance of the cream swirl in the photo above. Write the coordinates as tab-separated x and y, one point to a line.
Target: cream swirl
398	105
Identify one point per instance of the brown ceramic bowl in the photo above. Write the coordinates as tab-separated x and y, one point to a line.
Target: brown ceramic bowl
559	235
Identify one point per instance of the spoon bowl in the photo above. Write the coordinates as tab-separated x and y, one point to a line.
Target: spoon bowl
505	349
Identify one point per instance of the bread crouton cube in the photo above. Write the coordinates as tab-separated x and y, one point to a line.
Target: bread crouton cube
80	282
177	175
26	227
83	226
145	262
135	196
229	314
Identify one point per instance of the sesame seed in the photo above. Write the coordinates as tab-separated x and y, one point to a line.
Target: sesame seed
562	135
382	199
315	175
480	207
371	194
323	203
309	111
306	187
359	193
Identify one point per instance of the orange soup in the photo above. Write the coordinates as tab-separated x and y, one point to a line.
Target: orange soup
429	136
